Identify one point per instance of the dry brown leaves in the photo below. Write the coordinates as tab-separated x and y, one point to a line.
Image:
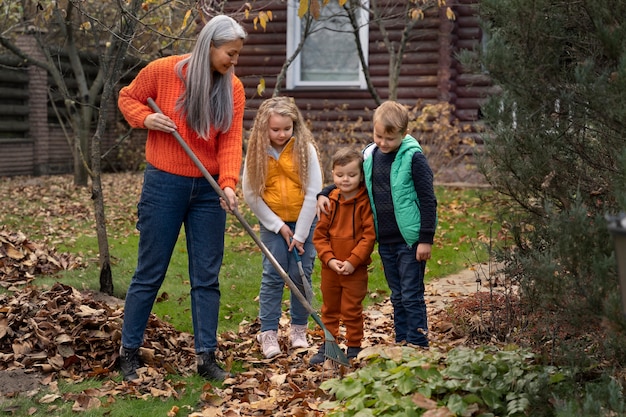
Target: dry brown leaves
22	259
66	334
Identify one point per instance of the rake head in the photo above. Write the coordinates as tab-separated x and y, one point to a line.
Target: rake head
332	350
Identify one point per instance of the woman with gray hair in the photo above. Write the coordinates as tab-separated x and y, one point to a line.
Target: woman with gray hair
203	100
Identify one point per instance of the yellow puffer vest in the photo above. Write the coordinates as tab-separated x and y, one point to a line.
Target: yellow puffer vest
283	188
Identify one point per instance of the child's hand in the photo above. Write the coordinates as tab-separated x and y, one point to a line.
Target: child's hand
323	204
346	268
287	234
336	265
423	252
296	245
341	267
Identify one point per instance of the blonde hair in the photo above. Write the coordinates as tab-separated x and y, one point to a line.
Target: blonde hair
259	142
208	96
392	116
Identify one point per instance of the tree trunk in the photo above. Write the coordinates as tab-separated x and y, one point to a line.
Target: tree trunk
111	64
80	170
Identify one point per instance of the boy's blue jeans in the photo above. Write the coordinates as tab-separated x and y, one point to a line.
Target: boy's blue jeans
272	284
405	277
167	202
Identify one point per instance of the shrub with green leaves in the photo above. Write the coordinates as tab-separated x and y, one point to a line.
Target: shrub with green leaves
402	381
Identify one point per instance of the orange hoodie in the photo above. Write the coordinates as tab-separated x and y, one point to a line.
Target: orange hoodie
221	153
347	233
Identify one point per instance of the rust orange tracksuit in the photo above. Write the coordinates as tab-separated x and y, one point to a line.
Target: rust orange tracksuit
347	234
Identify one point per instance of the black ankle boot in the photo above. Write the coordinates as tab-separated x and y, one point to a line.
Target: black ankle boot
319	357
209	369
129	363
353	352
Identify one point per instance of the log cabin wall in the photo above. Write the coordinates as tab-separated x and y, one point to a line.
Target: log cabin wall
32	141
430	73
265	52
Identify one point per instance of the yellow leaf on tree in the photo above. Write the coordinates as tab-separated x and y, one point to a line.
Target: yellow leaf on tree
260	88
263	19
450	14
417	14
186	19
304	7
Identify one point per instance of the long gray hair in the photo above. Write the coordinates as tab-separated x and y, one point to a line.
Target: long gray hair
215	108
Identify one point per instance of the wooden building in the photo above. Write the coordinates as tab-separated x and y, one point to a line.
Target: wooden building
335	99
430	72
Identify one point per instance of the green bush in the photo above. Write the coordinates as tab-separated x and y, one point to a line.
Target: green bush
553	146
403	381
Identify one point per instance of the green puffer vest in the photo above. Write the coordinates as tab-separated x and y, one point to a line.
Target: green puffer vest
405	201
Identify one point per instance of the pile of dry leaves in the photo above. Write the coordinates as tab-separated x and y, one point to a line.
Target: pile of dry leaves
22	259
62	333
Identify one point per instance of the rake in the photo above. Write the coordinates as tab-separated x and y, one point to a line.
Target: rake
308	291
332	350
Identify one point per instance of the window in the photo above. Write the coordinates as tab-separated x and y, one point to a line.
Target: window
329	57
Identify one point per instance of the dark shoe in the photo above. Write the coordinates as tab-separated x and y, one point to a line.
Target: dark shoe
129	363
319	357
209	369
353	352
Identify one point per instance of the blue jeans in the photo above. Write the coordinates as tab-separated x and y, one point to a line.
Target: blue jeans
167	202
272	284
405	277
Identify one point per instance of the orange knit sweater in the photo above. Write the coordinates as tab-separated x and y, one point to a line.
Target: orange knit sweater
220	154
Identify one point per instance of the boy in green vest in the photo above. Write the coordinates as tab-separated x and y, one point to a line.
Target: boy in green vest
399	183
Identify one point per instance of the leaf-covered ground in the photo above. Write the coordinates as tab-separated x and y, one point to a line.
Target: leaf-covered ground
63	333
66	334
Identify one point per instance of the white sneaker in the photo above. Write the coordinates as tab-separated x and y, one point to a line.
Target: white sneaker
269	343
298	336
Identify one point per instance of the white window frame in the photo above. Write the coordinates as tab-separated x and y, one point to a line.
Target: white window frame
294	32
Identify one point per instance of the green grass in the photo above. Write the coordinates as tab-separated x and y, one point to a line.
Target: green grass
50	210
110	406
462	235
53	211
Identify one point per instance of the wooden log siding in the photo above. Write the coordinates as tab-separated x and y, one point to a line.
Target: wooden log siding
32	141
16	149
429	73
471	89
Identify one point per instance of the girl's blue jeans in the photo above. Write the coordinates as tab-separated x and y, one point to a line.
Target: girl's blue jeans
405	277
272	284
167	202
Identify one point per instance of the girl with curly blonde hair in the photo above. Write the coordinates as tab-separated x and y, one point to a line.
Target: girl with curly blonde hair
281	178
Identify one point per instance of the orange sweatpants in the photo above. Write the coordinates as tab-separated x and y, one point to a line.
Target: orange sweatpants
342	297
